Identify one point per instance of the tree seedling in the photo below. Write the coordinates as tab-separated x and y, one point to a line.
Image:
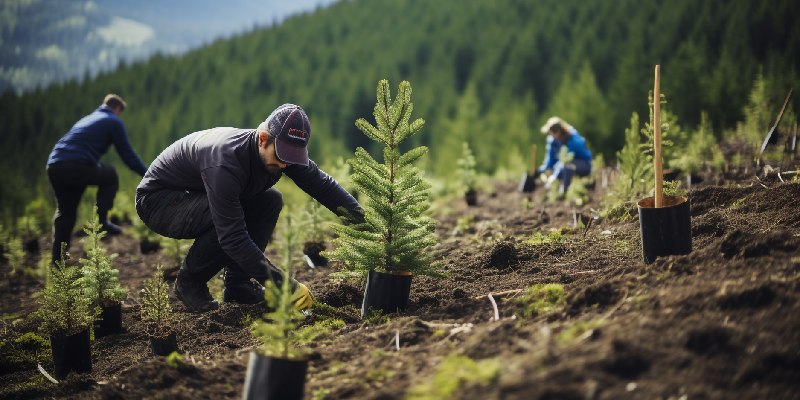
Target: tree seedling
467	173
156	309
65	307
396	234
99	276
279	331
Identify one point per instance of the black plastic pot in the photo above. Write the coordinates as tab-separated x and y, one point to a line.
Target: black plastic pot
110	322
312	250
666	230
274	378
471	197
71	353
164	345
527	183
147	246
386	292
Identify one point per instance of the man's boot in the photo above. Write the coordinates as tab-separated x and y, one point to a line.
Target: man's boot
194	294
110	228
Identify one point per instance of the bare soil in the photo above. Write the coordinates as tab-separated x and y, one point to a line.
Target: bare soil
722	322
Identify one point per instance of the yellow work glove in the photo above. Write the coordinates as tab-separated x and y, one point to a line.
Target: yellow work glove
302	298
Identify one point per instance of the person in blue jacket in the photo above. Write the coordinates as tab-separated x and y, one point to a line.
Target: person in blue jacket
562	134
74	164
216	186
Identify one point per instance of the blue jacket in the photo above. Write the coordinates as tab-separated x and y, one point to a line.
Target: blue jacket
91	137
575	145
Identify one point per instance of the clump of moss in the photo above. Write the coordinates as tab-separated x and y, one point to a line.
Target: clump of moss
572	332
542	299
454	372
556	236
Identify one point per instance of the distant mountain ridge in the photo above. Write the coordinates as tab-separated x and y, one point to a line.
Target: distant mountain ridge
46	41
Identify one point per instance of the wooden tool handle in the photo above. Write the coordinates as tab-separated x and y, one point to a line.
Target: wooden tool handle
659	195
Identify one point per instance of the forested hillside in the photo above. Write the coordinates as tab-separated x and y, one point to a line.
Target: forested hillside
485	72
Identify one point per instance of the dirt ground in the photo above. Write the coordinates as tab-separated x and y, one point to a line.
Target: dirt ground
722	322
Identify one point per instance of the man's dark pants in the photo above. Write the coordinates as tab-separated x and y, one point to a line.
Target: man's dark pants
69	180
186	215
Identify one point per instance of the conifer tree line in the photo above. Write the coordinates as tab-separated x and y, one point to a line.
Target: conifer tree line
484	73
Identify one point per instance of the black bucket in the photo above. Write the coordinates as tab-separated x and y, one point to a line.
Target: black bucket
312	250
164	345
71	353
274	378
666	230
386	292
110	322
527	183
471	197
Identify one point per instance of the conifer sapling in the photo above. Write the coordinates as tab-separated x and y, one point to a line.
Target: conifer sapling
466	168
396	234
279	331
99	276
156	309
65	308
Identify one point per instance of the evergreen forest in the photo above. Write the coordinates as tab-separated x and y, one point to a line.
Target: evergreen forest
488	73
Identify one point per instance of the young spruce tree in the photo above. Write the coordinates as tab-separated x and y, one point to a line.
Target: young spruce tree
466	168
279	332
156	310
99	276
64	306
396	234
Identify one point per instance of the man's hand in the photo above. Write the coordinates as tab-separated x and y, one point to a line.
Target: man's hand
351	217
302	298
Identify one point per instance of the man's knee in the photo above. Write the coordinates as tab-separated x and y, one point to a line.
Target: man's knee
268	202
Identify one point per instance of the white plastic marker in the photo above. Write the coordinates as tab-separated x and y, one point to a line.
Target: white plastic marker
46	375
494	306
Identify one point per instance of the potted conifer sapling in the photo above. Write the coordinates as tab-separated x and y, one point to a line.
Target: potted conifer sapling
66	315
396	237
466	173
102	282
277	369
157	313
315	240
528	181
665	221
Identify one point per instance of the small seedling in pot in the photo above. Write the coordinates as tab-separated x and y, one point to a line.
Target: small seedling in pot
149	241
66	315
664	220
157	314
397	235
278	367
467	174
316	232
101	280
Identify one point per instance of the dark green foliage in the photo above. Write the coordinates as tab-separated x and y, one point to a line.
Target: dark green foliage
699	149
156	309
99	275
397	235
65	306
524	59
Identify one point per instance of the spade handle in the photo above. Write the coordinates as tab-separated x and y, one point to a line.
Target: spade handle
659	194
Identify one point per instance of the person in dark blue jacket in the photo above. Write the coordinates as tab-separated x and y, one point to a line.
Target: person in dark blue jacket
75	164
216	186
561	134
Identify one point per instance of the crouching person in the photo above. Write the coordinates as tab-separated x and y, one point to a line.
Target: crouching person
561	134
216	186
